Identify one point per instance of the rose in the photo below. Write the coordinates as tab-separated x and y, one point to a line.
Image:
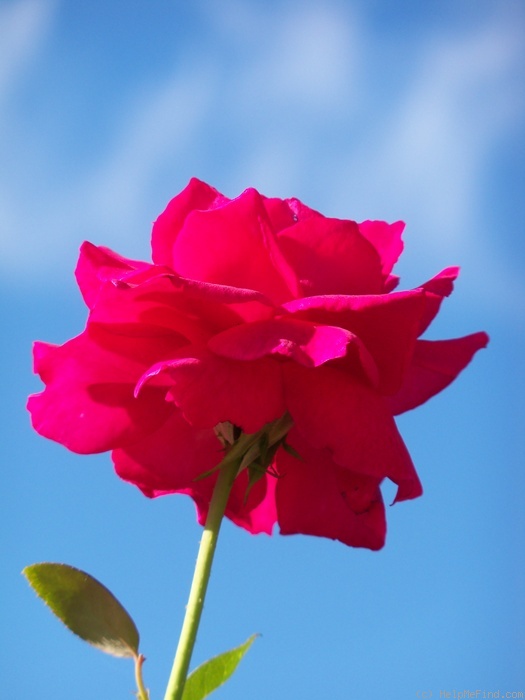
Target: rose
253	309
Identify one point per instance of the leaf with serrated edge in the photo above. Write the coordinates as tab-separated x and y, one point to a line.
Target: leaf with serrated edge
214	672
86	607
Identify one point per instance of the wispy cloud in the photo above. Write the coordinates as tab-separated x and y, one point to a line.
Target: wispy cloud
163	123
290	99
434	144
24	25
434	152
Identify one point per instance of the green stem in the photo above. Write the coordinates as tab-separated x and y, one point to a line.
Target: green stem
188	635
142	692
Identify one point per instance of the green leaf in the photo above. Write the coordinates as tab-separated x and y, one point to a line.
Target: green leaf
214	672
86	607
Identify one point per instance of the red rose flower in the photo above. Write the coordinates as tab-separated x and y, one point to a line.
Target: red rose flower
253	308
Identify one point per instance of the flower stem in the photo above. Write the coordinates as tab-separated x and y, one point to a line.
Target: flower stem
188	635
142	692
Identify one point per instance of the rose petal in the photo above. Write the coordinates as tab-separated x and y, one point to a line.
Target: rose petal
211	389
163	304
436	363
315	496
256	513
234	245
331	409
97	265
157	307
309	344
151	310
286	212
247	304
169	459
88	404
279	212
196	196
173	459
391	282
387	325
330	256
436	289
301	211
386	239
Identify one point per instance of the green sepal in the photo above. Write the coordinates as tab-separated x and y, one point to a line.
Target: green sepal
86	607
214	672
207	473
291	451
255	474
251	455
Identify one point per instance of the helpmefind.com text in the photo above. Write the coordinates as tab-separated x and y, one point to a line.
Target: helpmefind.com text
467	694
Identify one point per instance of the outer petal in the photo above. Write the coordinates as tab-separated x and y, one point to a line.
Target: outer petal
436	289
97	265
256	513
279	212
287	212
387	325
172	460
315	496
196	196
211	389
88	404
300	211
153	310
436	363
234	245
242	304
157	306
332	409
330	256
169	459
391	283
307	343
159	303
386	239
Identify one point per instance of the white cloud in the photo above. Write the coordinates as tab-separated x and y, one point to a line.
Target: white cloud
293	98
312	58
434	145
307	56
163	120
23	27
108	202
429	160
302	57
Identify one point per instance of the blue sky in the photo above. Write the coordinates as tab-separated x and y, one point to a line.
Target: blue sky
405	110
